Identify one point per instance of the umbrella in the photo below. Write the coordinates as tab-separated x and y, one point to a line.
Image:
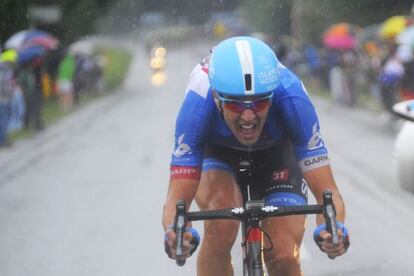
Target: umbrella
393	26
340	36
29	54
406	37
82	47
31	37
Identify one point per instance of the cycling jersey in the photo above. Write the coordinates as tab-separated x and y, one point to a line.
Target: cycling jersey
291	117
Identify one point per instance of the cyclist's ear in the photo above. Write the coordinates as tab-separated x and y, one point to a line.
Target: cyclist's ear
217	101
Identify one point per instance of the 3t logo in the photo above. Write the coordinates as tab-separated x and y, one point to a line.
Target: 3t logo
282	175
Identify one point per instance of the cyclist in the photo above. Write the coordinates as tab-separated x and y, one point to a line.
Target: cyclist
243	104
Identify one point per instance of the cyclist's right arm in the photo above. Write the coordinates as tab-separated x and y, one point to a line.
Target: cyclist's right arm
191	129
179	189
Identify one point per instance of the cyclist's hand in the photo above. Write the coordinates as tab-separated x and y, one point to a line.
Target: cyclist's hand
191	240
324	240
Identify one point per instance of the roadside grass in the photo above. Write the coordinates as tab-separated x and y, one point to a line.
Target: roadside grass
117	62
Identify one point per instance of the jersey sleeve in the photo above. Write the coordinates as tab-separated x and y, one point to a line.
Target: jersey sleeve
301	120
192	125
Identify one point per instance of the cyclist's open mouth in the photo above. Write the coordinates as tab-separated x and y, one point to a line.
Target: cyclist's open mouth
248	130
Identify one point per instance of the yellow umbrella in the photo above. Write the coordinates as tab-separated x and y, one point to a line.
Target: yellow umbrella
393	26
9	56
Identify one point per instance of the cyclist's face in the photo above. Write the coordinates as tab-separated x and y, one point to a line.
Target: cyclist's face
247	125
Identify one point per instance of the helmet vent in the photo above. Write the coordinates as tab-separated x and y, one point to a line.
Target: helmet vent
248	82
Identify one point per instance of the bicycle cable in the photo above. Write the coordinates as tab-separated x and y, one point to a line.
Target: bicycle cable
267	236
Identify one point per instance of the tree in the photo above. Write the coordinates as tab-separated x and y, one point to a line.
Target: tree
310	18
77	19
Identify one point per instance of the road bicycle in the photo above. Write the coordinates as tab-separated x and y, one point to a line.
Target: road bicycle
250	216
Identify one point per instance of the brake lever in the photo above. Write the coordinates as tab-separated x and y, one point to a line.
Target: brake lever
179	227
329	213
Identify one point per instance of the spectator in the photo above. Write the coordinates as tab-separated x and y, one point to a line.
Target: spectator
314	63
405	55
17	110
30	79
66	71
389	78
6	92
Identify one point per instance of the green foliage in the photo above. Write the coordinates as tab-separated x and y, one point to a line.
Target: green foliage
117	65
82	17
77	19
275	16
270	16
12	17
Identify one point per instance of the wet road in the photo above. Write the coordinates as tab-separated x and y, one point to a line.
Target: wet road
85	196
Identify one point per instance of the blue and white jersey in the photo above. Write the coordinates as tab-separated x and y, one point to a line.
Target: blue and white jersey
291	117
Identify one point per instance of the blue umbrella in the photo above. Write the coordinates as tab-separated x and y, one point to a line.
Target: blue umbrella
29	54
31	37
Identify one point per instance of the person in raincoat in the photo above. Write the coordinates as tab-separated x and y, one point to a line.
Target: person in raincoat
66	72
6	92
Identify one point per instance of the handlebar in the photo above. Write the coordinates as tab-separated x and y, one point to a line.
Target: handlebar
257	212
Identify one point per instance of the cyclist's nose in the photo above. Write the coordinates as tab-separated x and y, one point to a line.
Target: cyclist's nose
248	115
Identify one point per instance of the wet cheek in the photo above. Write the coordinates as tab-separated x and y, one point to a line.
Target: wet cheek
262	116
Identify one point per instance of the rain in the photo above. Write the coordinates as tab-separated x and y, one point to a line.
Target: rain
89	96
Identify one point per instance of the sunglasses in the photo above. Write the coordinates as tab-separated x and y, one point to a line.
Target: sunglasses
239	105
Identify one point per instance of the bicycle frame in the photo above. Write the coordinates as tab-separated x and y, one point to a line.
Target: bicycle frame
252	242
251	215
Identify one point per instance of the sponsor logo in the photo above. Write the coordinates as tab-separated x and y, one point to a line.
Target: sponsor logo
268	77
304	187
182	148
282	175
183	171
315	160
315	141
239	210
269	208
177	172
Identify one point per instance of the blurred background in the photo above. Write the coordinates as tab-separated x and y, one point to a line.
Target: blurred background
89	93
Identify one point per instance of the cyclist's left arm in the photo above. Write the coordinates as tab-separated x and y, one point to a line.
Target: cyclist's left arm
301	120
320	180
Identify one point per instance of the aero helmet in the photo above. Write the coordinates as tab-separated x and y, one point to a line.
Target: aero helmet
243	66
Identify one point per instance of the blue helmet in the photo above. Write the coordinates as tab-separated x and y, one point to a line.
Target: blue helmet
243	66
